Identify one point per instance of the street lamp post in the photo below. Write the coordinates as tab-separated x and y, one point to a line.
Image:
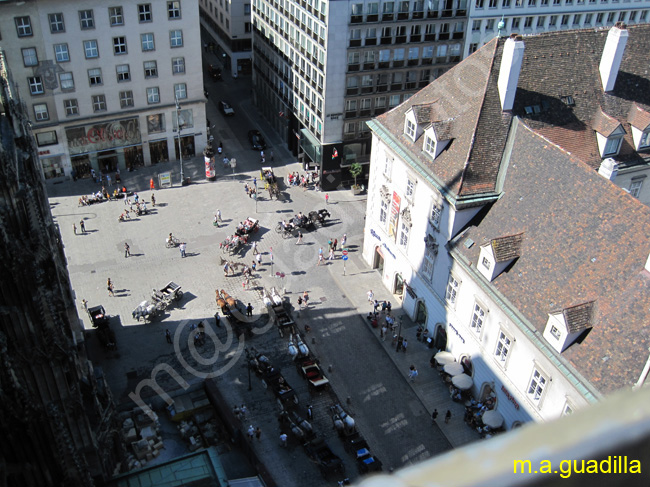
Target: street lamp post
178	128
399	335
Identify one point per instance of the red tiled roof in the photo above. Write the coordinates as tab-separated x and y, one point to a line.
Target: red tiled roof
604	124
638	117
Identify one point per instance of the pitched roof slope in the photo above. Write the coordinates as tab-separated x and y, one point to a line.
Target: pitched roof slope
586	240
459	95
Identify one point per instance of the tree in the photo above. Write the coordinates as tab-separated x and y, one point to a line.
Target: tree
355	171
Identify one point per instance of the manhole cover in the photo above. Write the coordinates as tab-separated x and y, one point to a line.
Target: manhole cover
323	299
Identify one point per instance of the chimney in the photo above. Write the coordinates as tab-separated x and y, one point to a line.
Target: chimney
613	52
608	169
513	56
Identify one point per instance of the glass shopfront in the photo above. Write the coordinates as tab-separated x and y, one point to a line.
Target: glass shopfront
52	167
158	151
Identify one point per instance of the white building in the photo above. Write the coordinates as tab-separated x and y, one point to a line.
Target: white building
536	16
492	216
100	81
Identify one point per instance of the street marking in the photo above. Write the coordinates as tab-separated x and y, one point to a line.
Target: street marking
416	454
373	390
334	328
395	423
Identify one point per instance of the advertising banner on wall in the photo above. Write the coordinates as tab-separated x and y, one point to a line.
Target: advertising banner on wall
394	215
103	136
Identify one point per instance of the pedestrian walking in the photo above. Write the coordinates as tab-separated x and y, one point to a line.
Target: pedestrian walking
344	240
225	269
151	185
251	432
259	258
329	244
168	336
384	329
109	287
93	175
153	200
371	296
299	302
376	306
254	266
320	259
258	433
243	410
245	284
447	416
283	440
310	413
74	227
334	244
82	225
327	198
413	373
182	247
217	319
84	304
404	344
434	415
331	256
298	242
254	248
249	310
108	180
305	298
127	250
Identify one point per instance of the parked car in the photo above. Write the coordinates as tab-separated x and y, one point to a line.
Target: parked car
215	72
256	140
225	108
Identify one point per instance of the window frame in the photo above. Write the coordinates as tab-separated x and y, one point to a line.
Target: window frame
404	234
451	290
153	73
53	141
478	319
173	6
384	208
95	77
86	19
57	52
88	46
122	74
410	129
145	14
35	84
35	56
23	29
70	80
46	111
142	41
180	88
635	187
119	45
618	140
174	35
56	25
115	16
538	382
503	347
175	63
645	135
125	97
71	107
150	92
98	103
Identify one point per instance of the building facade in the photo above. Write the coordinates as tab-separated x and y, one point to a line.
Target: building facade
101	82
230	24
57	416
494	215
536	16
322	69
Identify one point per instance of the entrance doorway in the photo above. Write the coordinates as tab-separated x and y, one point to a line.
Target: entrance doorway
107	161
187	144
81	166
421	315
441	337
378	261
133	157
158	151
398	288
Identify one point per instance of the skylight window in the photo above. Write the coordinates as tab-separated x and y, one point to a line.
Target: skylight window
568	100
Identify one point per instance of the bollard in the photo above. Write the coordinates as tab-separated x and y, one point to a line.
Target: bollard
349	400
313	341
329	368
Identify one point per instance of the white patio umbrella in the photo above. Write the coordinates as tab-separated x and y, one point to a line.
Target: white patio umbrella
493	419
453	369
462	381
444	358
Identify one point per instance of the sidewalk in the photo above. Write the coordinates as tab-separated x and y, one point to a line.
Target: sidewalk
428	386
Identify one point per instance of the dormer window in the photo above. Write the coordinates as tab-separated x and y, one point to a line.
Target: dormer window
429	146
612	146
410	129
644	143
555	332
486	263
640	124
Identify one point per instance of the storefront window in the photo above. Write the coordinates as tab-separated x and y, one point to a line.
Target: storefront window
52	167
156	123
158	151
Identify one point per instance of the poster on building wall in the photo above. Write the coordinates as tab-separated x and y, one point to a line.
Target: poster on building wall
394	216
103	136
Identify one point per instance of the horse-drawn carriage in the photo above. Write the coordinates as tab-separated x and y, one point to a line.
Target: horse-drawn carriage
228	306
319	217
233	243
226	302
271	378
247	227
270	182
278	312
